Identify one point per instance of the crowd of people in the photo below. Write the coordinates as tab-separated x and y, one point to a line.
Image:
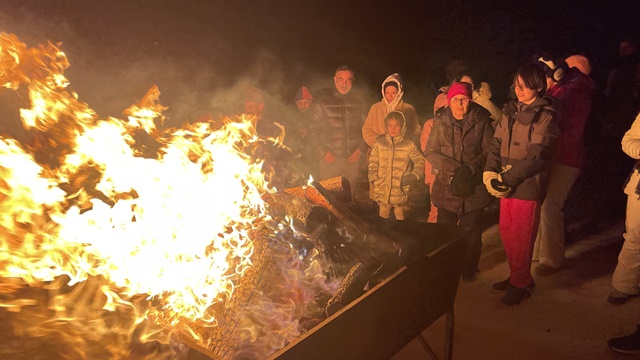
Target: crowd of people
523	157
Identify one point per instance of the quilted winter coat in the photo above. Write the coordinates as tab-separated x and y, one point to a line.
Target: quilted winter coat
390	160
454	143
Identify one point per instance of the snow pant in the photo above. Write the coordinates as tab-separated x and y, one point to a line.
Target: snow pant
626	277
341	167
385	211
518	225
549	245
472	224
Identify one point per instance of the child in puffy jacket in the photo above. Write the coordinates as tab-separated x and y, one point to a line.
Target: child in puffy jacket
395	163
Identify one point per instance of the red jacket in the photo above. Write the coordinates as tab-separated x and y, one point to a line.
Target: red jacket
574	97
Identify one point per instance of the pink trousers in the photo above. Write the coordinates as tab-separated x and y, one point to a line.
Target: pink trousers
519	221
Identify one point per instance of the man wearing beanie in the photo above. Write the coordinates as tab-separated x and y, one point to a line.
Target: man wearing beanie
303	99
457	149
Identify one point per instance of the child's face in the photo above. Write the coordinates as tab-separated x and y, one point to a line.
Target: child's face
393	128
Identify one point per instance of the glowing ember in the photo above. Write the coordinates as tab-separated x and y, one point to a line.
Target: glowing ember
176	226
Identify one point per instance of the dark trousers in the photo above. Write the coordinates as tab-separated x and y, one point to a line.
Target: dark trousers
472	224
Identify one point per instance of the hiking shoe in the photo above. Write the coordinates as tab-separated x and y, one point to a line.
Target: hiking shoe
514	295
618	297
504	285
629	344
544	270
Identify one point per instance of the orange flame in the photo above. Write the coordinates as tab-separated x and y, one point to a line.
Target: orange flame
175	226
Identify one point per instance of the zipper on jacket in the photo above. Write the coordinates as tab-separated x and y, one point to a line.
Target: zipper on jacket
393	149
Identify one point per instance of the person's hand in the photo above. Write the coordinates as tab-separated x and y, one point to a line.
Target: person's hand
408	179
355	156
489	176
460	181
462	173
329	157
500	188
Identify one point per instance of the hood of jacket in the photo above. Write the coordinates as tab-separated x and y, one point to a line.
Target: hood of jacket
402	131
394	78
525	114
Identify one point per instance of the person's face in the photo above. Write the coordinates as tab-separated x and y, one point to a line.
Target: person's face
468	80
344	81
459	106
523	93
303	105
253	108
390	93
393	127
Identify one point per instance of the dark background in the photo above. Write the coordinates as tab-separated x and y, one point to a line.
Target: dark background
201	54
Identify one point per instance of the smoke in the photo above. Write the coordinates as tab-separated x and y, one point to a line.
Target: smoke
113	67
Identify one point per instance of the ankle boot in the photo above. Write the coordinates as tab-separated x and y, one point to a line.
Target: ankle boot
504	285
514	295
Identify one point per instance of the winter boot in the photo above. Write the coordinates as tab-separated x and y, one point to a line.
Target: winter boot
504	285
629	344
514	295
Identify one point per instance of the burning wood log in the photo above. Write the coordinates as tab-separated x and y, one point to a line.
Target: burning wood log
350	288
338	186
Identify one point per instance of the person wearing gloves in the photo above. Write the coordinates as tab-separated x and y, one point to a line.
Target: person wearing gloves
626	277
395	163
392	99
457	149
516	172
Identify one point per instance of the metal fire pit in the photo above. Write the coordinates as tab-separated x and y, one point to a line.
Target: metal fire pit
383	320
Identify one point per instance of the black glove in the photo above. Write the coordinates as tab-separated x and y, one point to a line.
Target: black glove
462	173
499	185
460	182
408	179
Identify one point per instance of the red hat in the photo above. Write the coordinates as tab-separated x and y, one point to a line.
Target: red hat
458	88
303	94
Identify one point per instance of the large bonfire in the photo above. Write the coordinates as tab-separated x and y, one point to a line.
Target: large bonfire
110	246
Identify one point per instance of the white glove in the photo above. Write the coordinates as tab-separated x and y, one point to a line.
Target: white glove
487	176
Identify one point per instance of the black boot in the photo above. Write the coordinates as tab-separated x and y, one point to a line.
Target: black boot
504	285
629	344
514	295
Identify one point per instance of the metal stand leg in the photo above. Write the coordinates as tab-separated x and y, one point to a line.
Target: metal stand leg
448	340
426	346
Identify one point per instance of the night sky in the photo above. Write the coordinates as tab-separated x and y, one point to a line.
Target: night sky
200	53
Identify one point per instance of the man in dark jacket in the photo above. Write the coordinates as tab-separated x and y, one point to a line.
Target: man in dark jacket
335	132
457	149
